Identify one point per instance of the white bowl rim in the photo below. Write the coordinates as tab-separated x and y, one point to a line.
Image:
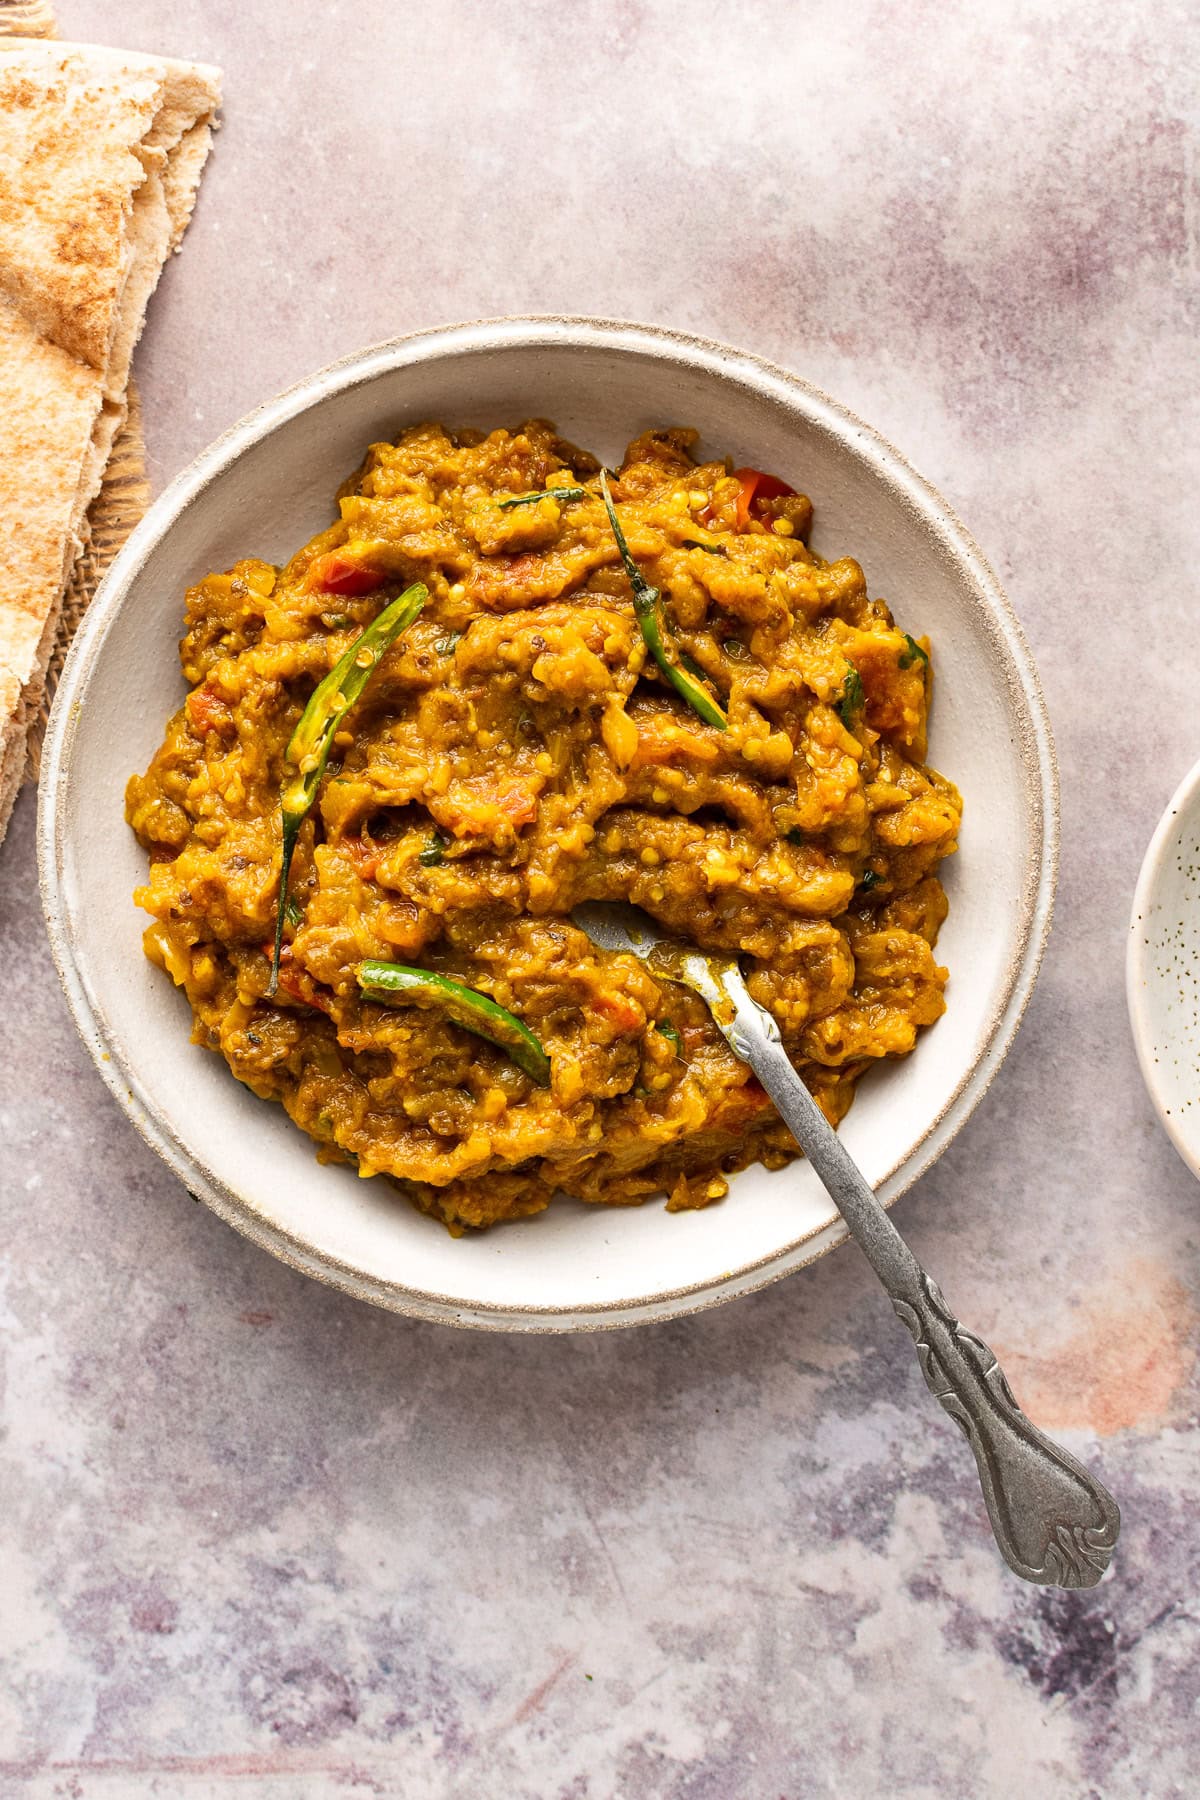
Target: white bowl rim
1137	960
1035	748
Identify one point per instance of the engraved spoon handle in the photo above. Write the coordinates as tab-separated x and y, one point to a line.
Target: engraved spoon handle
1053	1521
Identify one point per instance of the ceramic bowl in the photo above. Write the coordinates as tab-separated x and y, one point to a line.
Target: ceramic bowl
1162	969
265	487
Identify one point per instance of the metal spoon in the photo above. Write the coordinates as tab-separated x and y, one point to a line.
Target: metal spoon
1054	1523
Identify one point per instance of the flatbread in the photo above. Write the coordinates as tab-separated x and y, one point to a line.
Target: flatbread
49	404
100	155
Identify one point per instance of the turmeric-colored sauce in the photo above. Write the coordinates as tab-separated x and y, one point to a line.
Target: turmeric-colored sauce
518	751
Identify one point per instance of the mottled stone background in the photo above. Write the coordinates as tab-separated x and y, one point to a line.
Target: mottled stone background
261	1541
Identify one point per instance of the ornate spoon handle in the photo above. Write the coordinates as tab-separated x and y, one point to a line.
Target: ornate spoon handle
1054	1522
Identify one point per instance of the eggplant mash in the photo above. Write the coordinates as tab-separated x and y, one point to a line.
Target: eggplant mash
501	683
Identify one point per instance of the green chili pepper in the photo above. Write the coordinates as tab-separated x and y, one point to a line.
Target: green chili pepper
308	750
672	1036
691	665
914	653
853	699
434	851
388	981
558	493
647	604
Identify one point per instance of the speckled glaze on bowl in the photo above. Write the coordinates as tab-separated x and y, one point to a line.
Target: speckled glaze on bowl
265	487
1162	969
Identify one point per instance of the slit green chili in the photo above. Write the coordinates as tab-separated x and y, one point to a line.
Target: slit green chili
308	749
558	493
388	981
647	604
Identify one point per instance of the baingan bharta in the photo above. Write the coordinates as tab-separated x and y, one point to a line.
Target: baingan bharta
499	685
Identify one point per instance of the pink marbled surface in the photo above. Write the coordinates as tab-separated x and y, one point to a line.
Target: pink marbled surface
260	1541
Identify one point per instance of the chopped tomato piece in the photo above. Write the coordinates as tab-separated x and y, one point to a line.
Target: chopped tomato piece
757	487
740	1105
299	985
476	806
208	712
363	854
621	1013
337	573
518	804
307	992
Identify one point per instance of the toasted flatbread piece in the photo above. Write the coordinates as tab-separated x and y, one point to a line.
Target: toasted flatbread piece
82	129
100	154
49	404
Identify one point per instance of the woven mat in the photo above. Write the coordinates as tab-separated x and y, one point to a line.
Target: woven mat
124	493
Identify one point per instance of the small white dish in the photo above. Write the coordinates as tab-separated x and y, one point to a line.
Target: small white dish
264	488
1162	969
